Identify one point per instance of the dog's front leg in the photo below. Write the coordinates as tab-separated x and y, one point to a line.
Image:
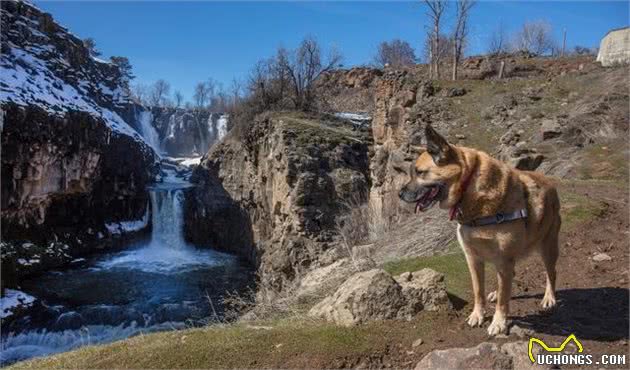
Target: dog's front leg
505	274
476	268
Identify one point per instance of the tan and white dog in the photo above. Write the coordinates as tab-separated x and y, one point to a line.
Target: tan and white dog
503	214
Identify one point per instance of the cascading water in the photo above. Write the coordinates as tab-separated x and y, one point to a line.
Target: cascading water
148	131
222	127
161	283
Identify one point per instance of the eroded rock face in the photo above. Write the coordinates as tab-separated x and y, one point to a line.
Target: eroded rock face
70	162
375	295
274	193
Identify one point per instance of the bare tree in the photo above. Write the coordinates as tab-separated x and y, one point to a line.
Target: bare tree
498	43
460	33
396	53
304	65
235	92
140	93
445	50
159	93
435	10
179	99
204	92
535	37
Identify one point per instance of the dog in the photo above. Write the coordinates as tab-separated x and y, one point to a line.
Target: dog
502	213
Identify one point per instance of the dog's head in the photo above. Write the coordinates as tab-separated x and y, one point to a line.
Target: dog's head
435	175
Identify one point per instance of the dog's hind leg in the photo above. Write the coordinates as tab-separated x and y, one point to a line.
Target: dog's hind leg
549	253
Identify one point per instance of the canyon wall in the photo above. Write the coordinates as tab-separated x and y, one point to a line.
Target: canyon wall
272	192
71	162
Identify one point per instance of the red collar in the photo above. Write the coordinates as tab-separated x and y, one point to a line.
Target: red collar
455	209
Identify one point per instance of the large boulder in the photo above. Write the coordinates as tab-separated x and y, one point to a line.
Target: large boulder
369	295
376	295
513	355
484	356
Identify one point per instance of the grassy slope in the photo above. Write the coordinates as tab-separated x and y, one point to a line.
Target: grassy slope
290	343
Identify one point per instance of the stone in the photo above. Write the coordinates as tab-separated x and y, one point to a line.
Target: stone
550	129
369	295
484	356
375	295
599	257
319	281
424	290
416	343
614	48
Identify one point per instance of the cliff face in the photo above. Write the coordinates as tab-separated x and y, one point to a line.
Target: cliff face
273	195
71	164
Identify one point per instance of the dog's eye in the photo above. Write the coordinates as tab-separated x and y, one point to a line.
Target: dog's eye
420	172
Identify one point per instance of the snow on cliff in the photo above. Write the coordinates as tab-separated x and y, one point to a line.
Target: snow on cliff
45	65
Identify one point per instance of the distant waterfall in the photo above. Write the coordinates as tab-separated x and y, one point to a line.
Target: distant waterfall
148	131
222	127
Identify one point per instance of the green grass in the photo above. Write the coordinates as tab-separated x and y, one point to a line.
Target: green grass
577	209
605	162
278	344
304	131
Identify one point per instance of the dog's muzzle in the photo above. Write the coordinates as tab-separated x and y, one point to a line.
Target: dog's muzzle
424	197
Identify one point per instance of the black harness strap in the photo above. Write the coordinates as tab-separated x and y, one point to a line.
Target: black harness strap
499	218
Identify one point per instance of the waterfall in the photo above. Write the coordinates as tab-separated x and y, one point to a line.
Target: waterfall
148	131
168	228
167	250
222	127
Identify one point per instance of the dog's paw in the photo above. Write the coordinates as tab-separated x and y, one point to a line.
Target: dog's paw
475	318
492	296
548	301
497	326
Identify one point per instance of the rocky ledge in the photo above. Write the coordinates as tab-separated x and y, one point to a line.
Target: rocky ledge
272	191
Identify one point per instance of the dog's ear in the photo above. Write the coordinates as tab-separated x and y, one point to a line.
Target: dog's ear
437	145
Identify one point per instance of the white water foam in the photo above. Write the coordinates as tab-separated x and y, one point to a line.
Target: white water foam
167	252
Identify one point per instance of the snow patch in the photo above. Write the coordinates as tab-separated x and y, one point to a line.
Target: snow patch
12	300
124	227
357	119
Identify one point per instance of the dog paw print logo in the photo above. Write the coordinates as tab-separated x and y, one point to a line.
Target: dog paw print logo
552	349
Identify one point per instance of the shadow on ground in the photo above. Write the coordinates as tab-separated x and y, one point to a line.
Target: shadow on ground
594	313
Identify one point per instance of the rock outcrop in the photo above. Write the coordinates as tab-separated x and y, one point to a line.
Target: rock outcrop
70	162
614	49
486	355
273	189
375	295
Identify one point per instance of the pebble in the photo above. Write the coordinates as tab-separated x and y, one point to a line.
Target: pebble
417	343
599	257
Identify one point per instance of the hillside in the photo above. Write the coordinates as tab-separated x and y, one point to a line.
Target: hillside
280	180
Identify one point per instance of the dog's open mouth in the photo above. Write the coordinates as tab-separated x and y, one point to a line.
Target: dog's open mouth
428	199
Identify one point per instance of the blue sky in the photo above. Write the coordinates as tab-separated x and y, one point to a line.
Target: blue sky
186	42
